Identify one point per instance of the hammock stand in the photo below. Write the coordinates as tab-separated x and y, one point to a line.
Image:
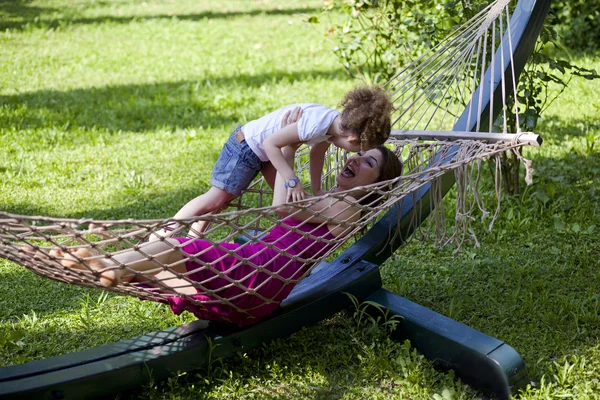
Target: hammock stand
486	363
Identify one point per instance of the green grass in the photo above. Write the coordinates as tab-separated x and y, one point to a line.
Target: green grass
112	109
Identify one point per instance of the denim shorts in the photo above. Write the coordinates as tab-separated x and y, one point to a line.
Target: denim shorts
236	166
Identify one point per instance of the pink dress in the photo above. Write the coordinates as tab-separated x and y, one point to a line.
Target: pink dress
241	306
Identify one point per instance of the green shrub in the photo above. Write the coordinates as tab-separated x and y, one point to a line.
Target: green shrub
378	37
578	22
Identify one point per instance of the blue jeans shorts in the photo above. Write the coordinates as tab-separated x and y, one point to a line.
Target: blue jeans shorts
236	166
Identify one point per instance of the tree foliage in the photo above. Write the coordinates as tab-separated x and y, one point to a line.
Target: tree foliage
376	38
578	22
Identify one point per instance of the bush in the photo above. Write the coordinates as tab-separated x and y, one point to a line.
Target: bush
378	37
578	22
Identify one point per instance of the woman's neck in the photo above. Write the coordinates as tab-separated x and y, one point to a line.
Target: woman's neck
354	193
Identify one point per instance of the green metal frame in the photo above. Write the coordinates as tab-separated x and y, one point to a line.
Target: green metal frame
484	362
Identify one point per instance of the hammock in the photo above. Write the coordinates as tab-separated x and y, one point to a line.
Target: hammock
431	139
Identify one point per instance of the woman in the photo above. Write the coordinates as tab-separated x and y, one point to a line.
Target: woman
244	292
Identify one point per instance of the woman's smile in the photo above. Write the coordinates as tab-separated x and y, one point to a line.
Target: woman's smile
348	172
360	169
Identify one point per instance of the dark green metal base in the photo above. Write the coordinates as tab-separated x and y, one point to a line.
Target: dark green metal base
480	360
483	362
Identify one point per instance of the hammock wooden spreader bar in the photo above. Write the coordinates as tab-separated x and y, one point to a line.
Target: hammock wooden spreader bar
528	138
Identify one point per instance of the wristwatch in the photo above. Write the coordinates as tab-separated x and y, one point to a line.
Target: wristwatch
292	182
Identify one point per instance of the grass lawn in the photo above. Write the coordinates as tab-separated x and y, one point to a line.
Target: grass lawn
113	109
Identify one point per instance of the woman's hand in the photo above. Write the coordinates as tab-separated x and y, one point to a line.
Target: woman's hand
291	116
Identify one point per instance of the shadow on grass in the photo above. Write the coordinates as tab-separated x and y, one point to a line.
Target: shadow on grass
41	17
147	205
26	292
146	107
21	9
82	331
559	129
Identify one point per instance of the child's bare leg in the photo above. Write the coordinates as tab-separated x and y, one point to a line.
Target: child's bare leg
200	227
269	173
211	201
173	229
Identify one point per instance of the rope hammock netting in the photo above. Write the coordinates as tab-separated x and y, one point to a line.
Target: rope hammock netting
241	282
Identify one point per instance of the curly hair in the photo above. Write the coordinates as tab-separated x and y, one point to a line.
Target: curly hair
367	111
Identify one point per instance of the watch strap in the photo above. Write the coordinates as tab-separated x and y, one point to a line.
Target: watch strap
295	179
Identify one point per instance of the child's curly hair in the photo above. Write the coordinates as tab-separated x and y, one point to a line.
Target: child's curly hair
367	111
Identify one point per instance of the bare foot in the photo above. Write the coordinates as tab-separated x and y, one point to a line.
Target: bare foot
77	259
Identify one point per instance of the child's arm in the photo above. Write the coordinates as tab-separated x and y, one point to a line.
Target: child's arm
280	192
317	159
273	145
328	210
338	214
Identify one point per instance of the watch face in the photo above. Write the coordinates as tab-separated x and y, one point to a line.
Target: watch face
292	183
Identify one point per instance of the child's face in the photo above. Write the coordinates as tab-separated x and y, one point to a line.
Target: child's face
348	141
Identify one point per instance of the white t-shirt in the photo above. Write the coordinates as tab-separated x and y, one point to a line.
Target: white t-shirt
312	126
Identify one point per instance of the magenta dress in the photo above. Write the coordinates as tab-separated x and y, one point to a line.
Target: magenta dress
242	307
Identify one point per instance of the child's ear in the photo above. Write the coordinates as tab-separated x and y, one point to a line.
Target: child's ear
353	138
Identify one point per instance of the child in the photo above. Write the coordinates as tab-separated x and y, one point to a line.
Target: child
257	146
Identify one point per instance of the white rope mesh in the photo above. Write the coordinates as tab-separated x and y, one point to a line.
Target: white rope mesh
259	273
32	241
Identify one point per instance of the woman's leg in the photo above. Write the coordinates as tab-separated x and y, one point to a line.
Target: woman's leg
171	280
161	252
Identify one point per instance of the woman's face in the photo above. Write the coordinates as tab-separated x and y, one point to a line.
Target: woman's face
361	169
